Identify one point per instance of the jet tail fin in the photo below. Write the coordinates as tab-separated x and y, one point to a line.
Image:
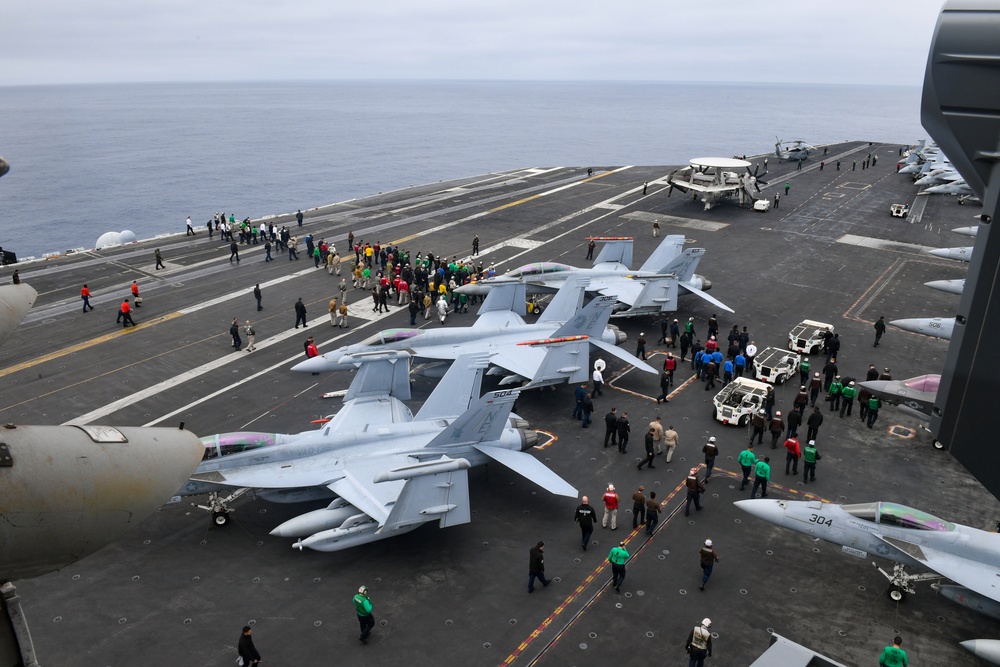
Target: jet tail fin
484	421
615	250
683	265
457	389
567	302
382	374
668	250
591	321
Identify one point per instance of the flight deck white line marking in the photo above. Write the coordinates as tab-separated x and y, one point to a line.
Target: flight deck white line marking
215	364
491	211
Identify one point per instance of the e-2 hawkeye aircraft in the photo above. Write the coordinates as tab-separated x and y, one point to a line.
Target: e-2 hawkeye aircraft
502	333
715	179
651	289
384	470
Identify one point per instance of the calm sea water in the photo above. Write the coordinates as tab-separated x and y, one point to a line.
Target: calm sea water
91	159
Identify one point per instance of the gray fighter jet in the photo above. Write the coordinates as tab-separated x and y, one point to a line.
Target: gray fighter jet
968	556
511	343
938	327
914	397
651	289
384	471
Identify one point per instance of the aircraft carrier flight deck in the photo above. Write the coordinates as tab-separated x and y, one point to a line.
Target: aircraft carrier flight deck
177	589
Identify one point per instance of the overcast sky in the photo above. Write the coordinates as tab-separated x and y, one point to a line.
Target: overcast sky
794	41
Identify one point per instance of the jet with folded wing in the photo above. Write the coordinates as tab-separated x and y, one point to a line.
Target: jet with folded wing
502	333
384	470
651	289
714	179
968	556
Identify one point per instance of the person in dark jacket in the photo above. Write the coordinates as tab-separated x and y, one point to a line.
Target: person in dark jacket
246	648
585	515
814	422
300	313
611	428
801	400
650	451
536	566
794	421
234	331
776	427
623	432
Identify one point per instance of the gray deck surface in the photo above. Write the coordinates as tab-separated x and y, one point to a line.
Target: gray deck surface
176	590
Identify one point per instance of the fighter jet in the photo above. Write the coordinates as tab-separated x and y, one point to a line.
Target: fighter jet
959	187
939	176
968	556
385	471
914	397
715	179
651	289
938	327
503	334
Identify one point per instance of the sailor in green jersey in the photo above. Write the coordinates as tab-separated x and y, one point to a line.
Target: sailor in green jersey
747	460
848	394
804	371
893	656
809	458
363	605
617	558
836	387
873	405
762	472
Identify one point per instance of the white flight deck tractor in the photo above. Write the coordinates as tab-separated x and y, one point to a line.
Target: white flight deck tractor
738	401
775	365
807	336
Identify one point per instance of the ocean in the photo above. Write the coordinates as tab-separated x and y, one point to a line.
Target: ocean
90	159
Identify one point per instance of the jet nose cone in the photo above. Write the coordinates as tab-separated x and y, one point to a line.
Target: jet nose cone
987	649
314	365
763	508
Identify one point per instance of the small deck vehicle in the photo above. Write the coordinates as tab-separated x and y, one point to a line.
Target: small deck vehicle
775	365
807	336
738	400
899	210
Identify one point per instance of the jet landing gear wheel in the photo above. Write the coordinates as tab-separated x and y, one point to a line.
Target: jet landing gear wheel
219	507
897	594
938	444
